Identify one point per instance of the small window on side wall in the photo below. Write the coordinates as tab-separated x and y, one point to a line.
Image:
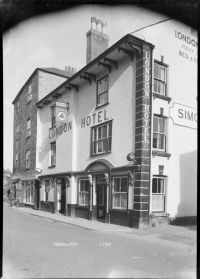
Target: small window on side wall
102	91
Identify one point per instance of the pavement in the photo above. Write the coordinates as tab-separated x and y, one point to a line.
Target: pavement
184	234
39	244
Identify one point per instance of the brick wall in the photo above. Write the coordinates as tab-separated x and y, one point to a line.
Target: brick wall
26	110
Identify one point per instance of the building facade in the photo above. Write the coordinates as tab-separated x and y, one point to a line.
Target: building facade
24	178
117	141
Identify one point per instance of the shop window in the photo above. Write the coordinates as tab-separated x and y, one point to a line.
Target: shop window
120	193
28	159
102	91
101	139
46	192
53	116
28	128
84	188
53	154
160	79
159	133
29	192
158	193
29	93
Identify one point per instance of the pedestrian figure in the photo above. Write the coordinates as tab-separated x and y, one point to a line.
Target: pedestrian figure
9	193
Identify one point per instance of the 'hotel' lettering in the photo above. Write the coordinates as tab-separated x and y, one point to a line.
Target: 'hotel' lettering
98	117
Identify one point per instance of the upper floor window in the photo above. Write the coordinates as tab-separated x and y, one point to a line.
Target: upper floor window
102	91
16	160
158	193
101	139
28	128
159	133
53	116
160	79
120	193
28	159
17	129
29	93
84	188
53	154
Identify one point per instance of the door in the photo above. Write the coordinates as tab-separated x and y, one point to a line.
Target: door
63	197
37	194
101	197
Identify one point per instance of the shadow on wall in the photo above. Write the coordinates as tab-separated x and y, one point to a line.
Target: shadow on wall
187	208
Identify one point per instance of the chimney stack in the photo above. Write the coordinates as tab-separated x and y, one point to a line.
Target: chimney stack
97	40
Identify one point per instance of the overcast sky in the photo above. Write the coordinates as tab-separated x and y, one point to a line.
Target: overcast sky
57	40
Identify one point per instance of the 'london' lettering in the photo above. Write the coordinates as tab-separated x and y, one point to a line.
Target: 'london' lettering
59	130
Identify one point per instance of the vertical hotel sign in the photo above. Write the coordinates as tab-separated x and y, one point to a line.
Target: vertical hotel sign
143	134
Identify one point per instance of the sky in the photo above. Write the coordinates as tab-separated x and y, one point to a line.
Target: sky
57	40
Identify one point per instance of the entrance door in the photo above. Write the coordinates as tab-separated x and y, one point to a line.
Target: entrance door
61	196
101	197
37	194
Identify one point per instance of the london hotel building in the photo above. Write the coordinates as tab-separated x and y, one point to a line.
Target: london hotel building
116	141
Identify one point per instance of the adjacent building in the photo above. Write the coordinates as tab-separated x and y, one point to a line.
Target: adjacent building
39	84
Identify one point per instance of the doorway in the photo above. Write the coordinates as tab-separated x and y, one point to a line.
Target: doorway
61	196
101	197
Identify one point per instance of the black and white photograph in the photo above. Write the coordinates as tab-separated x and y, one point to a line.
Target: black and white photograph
100	143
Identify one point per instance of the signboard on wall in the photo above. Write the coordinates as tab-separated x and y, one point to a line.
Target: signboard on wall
183	115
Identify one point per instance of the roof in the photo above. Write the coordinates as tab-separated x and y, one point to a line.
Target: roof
127	45
57	71
52	70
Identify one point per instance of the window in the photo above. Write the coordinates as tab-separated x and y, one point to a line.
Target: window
17	129
53	154
102	91
29	192
47	188
101	139
17	144
29	95
158	193
28	128
159	133
53	116
84	187
16	159
120	193
28	159
160	79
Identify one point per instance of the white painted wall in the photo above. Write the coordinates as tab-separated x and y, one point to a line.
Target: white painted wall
181	168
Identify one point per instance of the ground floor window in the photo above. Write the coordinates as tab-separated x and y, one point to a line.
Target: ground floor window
29	192
158	193
83	195
120	193
47	188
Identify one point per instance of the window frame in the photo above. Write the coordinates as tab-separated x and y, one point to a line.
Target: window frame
119	192
102	93
164	178
108	138
16	159
84	192
159	133
28	159
53	116
28	129
159	80
46	190
52	164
